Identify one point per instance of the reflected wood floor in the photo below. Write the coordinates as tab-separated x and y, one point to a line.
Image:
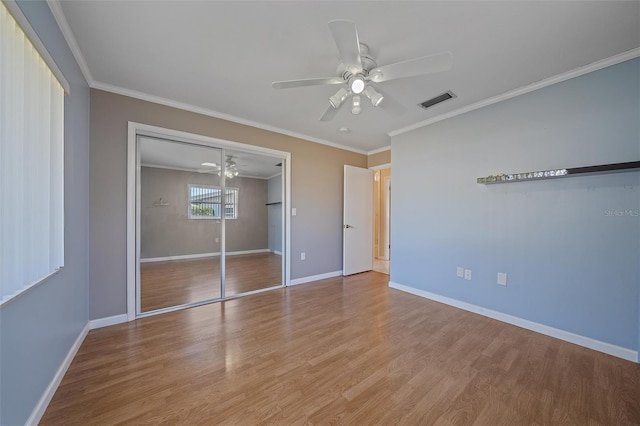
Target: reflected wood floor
177	282
340	351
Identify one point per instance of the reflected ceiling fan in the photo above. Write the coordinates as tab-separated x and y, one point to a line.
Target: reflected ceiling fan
358	71
230	168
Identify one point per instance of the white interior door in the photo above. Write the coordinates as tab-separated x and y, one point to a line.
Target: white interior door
357	232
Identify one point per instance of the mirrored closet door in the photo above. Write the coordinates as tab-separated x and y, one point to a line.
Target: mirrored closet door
209	223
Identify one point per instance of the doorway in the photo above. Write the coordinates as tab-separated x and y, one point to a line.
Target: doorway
382	220
209	221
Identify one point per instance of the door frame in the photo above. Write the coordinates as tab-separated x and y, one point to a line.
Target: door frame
133	169
377	168
387	218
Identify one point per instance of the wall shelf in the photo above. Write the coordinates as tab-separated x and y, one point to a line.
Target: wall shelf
560	173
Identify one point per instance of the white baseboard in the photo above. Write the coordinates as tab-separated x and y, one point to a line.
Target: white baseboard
577	339
200	255
43	403
279	253
107	321
316	277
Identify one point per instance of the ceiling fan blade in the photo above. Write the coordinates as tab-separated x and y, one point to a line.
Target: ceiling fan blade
391	106
413	67
207	170
288	84
330	112
345	35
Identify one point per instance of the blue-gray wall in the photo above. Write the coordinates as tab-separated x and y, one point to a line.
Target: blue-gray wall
39	327
274	213
572	262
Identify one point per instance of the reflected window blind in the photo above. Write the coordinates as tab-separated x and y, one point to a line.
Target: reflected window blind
31	163
205	202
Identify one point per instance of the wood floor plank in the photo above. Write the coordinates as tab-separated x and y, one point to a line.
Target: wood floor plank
339	351
178	282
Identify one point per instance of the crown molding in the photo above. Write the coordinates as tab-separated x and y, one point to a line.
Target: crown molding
216	114
58	14
375	151
594	66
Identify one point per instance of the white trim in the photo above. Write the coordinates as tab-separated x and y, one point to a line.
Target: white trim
216	114
22	291
286	225
131	222
594	66
107	321
32	35
43	403
577	339
201	255
375	151
61	19
381	167
312	278
279	253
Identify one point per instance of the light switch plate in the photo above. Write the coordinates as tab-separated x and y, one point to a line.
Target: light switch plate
467	274
460	271
293	211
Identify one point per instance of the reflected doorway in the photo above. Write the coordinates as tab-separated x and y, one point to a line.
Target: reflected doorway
382	220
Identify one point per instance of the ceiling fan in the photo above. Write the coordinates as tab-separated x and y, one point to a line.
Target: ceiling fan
358	71
230	168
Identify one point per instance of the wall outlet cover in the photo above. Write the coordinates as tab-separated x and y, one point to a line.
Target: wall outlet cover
467	274
460	271
502	278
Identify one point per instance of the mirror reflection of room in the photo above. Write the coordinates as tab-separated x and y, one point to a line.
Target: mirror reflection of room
181	234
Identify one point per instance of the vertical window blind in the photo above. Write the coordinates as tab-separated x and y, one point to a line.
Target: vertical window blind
31	163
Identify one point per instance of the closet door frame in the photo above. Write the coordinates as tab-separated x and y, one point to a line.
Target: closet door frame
133	214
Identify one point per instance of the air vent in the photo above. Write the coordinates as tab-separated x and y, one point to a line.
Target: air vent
433	101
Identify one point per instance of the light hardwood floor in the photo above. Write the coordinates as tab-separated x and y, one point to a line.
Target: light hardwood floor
339	351
177	282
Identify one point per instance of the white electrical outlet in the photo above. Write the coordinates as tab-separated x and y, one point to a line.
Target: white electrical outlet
467	274
460	271
294	211
502	278
303	256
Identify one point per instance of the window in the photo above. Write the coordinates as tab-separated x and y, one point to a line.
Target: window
32	93
204	202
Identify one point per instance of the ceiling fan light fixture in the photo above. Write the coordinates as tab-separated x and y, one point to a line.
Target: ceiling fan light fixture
374	96
337	99
356	84
356	108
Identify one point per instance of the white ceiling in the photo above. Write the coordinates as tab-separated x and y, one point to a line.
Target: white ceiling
223	56
175	155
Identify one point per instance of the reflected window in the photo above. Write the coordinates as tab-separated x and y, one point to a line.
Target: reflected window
205	202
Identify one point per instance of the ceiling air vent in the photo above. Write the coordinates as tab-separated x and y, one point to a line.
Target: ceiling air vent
433	101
